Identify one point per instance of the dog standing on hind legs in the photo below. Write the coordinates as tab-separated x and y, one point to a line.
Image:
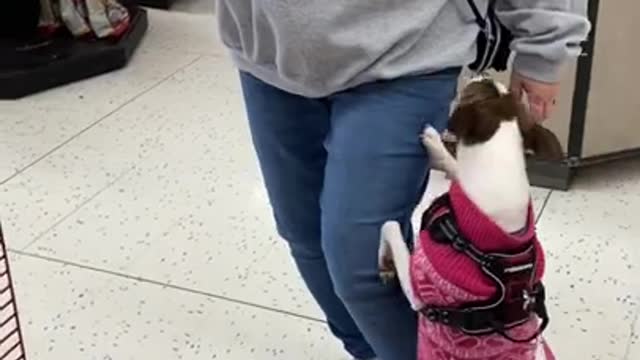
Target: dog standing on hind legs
475	273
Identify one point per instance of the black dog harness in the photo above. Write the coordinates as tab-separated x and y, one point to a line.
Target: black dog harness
519	295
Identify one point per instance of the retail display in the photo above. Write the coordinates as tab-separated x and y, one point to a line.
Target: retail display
107	18
69	40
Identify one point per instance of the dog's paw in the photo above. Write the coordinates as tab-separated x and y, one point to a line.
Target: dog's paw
438	152
430	134
432	140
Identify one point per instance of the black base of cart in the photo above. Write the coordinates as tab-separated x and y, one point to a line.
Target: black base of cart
159	4
30	67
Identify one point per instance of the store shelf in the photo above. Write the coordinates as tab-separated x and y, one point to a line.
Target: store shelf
38	67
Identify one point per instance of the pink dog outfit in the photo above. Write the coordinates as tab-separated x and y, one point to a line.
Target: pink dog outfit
450	273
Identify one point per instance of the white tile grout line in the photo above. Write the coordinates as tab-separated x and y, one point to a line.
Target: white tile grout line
101	119
22	252
109	184
61	219
165	285
544	206
225	298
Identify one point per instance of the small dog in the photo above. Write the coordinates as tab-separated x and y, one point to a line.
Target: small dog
475	273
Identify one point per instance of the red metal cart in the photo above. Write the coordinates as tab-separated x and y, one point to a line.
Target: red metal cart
11	340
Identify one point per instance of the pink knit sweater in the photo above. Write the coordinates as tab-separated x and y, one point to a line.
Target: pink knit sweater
443	277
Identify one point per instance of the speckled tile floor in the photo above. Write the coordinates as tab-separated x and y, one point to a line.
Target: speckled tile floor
138	226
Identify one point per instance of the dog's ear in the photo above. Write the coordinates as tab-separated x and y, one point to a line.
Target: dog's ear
477	122
473	124
543	143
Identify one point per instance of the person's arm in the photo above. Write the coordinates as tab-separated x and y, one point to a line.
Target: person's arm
547	33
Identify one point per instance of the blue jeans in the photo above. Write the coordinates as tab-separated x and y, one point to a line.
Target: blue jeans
336	169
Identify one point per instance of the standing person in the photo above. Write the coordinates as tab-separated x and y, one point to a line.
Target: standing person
337	93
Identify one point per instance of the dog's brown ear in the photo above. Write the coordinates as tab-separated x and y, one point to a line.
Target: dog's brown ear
474	123
543	143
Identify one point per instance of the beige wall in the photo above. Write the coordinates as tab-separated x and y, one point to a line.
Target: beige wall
613	113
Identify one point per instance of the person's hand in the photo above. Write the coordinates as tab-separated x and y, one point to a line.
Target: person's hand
540	96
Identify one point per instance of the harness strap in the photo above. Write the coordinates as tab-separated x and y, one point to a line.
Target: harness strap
476	12
501	313
483	321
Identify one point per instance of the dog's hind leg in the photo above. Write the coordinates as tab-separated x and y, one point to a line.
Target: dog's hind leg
441	158
394	260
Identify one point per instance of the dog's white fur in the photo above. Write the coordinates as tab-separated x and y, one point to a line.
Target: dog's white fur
493	175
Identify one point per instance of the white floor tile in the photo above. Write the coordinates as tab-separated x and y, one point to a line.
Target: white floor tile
105	93
592	263
538	197
176	32
71	313
178	218
27	134
170	188
57	185
193	102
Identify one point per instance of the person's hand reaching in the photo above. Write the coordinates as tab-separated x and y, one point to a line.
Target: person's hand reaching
540	96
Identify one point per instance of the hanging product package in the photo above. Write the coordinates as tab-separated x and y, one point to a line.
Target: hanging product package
49	23
107	18
73	14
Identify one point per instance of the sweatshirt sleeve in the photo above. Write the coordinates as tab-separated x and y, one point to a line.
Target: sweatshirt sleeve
547	33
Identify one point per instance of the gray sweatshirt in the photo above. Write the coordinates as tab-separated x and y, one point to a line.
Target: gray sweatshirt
318	47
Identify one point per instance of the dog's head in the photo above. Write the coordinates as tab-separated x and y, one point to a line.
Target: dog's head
484	104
